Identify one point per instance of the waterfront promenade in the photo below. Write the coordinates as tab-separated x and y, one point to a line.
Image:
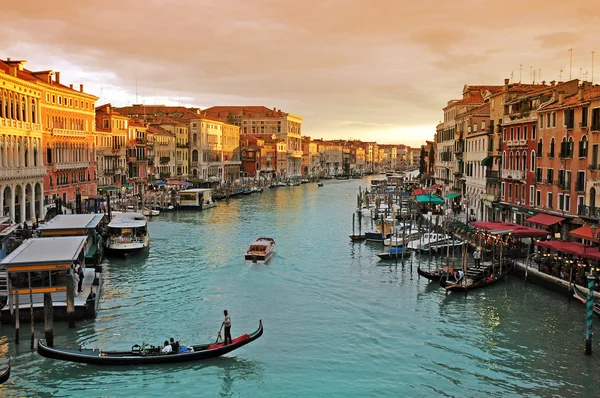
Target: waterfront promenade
338	321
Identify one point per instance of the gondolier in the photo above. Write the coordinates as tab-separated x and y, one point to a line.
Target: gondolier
227	325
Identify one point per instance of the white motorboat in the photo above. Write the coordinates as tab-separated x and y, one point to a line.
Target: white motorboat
127	233
150	212
402	237
432	239
261	250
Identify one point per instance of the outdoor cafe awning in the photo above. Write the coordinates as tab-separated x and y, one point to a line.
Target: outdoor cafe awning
452	195
432	199
545	219
585	232
419	191
575	248
518	231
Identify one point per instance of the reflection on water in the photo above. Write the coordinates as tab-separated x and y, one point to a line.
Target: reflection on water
338	321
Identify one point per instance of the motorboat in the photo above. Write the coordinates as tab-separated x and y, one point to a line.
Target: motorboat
398	239
261	250
429	240
127	233
150	212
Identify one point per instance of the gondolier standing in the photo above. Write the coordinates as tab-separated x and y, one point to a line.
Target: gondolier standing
227	325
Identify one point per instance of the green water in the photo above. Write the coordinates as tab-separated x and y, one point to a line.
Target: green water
338	321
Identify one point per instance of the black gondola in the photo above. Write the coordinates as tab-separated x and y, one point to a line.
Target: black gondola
433	275
581	296
6	374
147	355
470	284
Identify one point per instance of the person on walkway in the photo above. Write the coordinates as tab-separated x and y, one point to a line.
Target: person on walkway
227	326
81	277
477	257
76	282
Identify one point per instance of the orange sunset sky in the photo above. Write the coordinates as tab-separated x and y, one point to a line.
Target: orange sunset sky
373	70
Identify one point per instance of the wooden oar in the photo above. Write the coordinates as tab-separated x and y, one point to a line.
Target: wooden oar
219	334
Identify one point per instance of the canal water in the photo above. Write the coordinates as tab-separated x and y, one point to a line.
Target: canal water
338	321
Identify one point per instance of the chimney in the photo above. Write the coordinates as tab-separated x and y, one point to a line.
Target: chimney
71	86
81	88
57	77
561	97
543	82
552	83
580	93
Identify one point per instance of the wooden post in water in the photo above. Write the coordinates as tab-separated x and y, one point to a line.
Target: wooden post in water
31	309
17	317
589	314
70	300
430	230
48	320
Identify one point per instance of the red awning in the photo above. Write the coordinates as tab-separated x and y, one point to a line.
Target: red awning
419	191
517	230
576	248
545	219
434	186
585	232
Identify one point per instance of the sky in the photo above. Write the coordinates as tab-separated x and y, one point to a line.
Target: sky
375	70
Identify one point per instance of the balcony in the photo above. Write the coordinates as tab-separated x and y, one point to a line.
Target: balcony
589	211
551	155
492	174
179	145
71	165
583	125
565	155
548	181
19	124
515	143
69	133
593	167
194	164
165	159
141	141
22	172
295	154
563	185
595	128
513	174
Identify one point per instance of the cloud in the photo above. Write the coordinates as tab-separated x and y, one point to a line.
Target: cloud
388	66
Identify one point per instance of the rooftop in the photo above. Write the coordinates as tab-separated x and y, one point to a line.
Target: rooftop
46	250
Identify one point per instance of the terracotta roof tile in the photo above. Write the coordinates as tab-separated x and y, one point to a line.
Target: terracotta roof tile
246	111
592	93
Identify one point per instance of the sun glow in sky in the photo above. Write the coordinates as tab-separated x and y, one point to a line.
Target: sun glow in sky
371	70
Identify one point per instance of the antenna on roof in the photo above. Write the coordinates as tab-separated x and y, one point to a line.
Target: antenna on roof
570	62
560	76
539	74
530	74
533	77
511	76
520	72
593	67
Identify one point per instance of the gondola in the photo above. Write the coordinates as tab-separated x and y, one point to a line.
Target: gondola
453	286
6	374
433	275
581	296
146	355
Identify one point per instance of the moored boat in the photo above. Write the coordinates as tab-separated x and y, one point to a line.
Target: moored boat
582	296
127	232
391	253
432	275
466	284
261	250
6	374
147	355
150	212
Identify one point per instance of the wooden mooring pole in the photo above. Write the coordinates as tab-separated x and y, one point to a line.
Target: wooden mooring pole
17	320
70	300
48	320
589	314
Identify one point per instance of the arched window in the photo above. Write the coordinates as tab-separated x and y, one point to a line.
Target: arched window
551	154
524	164
583	147
533	161
571	147
503	159
517	161
564	150
540	148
